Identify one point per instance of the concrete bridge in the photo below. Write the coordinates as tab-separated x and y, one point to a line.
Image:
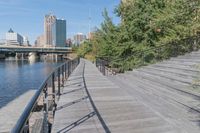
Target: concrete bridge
23	49
33	52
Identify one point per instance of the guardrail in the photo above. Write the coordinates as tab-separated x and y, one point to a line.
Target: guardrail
43	103
102	65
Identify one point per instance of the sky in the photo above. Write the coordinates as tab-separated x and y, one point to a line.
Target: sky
26	17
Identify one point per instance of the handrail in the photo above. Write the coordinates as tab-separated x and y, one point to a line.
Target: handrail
58	76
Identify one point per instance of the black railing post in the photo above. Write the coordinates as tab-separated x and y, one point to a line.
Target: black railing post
53	91
58	81
100	66
45	105
70	67
63	75
176	51
103	64
143	58
65	71
159	53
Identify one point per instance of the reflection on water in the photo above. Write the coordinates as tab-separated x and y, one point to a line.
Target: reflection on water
17	77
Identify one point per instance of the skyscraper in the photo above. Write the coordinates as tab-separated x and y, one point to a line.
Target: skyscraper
40	42
48	23
26	41
59	33
79	38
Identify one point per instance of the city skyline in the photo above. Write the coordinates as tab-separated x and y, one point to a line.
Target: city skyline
27	17
54	32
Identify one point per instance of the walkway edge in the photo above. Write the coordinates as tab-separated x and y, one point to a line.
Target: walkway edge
107	130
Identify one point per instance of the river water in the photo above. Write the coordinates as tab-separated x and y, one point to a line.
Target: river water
18	77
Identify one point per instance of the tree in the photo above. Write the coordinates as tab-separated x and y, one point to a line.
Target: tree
145	26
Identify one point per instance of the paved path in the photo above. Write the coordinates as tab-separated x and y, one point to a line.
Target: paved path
114	110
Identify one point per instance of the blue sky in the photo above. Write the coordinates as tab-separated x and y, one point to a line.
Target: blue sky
26	16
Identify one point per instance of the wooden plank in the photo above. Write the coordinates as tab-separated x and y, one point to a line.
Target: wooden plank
120	111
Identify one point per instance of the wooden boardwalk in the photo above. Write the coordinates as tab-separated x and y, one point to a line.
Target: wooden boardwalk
114	110
170	88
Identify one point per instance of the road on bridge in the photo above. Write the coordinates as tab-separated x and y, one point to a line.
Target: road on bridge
23	49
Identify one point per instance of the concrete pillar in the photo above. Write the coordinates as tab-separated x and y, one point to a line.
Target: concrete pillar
52	57
59	57
17	56
32	57
2	56
20	56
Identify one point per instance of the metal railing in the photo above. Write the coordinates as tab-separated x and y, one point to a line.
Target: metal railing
102	65
150	55
38	114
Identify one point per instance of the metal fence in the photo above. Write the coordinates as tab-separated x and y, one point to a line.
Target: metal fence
104	68
38	114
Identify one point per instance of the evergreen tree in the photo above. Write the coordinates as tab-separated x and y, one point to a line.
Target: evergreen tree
145	26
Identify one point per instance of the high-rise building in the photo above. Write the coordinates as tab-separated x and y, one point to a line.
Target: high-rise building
91	35
48	22
13	38
69	42
79	38
26	41
59	33
40	42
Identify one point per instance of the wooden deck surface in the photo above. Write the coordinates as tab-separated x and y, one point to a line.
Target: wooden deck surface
119	111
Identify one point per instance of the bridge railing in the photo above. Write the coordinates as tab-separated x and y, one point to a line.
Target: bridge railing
38	114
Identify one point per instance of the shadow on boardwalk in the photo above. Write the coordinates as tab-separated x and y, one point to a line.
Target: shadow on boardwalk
68	92
76	123
71	103
72	116
77	83
75	78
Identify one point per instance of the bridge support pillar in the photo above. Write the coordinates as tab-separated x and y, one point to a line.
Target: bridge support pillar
59	57
32	57
2	56
55	57
19	56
